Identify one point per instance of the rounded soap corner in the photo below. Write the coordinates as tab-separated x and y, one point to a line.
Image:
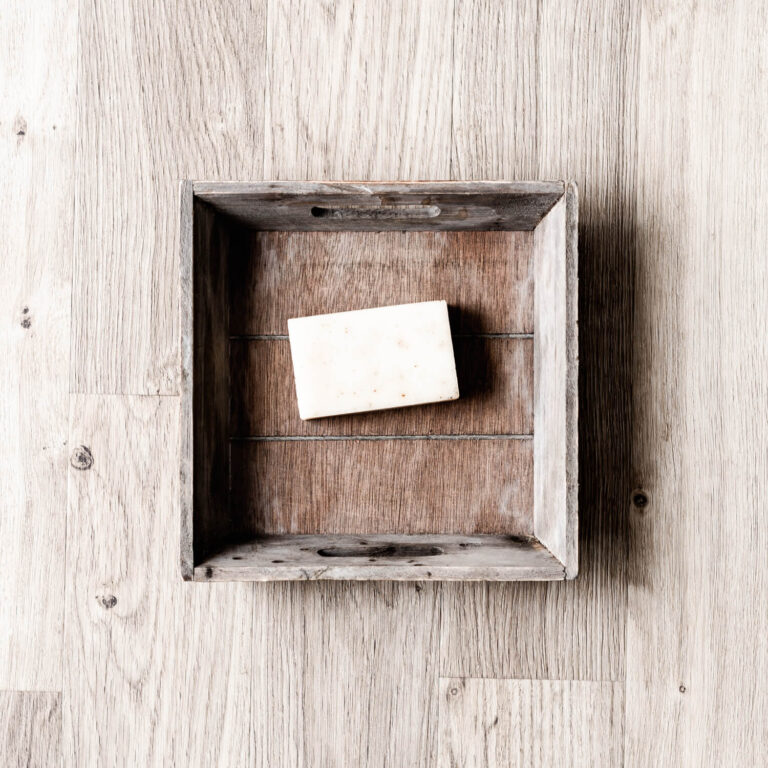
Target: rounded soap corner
304	416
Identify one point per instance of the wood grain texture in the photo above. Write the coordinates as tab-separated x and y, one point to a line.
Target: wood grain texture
486	277
383	558
495	90
384	486
369	95
495	382
138	639
550	357
697	619
536	723
383	206
585	107
655	107
30	728
368	699
207	384
187	242
37	150
165	93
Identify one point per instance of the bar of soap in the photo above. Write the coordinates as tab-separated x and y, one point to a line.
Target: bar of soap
371	359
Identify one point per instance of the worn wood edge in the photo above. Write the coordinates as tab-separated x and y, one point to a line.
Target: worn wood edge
534	561
186	421
384	206
550	299
572	385
566	539
210	190
376	573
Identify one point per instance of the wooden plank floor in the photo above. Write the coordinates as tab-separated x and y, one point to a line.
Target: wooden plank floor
656	654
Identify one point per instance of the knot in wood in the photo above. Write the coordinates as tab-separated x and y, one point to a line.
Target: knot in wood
82	458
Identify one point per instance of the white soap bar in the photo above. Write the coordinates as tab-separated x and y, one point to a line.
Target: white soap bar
371	359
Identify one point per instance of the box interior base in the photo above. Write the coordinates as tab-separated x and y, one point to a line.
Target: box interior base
464	467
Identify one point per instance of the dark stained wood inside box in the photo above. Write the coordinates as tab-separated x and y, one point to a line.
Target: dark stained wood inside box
384	486
462	467
486	277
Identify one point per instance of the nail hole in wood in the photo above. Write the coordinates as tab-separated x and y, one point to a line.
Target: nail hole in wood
640	498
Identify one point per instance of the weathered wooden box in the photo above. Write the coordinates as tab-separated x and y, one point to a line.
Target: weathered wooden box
481	488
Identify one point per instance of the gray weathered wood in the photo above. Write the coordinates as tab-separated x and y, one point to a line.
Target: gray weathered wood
555	478
186	404
30	728
376	206
37	165
530	723
382	558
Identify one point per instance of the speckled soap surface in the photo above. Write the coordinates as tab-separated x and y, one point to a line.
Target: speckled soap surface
372	359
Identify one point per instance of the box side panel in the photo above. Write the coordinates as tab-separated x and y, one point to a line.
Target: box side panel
388	558
572	386
550	382
210	380
186	309
376	207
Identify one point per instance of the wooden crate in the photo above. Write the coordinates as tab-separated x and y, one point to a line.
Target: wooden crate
481	488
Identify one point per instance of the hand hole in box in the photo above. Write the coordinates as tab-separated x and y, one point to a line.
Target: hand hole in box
350	212
386	550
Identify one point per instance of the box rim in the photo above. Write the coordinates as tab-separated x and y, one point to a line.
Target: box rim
208	191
